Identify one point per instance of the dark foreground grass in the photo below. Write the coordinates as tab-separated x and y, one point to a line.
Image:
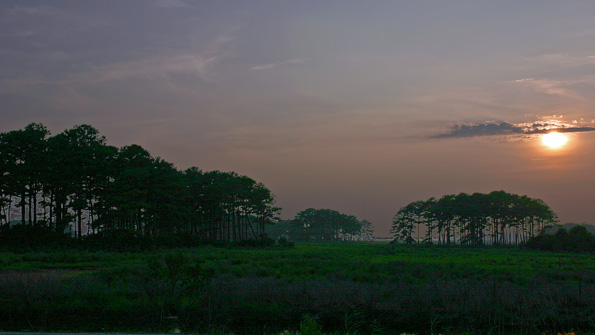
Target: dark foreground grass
353	288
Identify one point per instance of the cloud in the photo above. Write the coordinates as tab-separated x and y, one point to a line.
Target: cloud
152	67
510	129
48	17
197	63
171	4
160	68
550	87
294	61
36	11
481	129
560	59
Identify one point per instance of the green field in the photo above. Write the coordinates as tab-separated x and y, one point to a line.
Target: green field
343	288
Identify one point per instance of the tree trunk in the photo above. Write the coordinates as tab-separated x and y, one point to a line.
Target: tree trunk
23	209
79	215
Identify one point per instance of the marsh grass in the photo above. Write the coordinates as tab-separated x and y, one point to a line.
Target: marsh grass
353	288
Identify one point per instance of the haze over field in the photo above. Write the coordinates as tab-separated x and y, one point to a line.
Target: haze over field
361	107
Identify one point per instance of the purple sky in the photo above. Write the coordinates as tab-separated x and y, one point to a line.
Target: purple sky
357	106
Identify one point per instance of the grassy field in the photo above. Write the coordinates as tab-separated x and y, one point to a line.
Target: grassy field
335	288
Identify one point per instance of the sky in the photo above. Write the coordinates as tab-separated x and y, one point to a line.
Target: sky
356	106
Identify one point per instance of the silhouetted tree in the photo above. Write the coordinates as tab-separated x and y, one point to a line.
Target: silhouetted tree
81	182
409	219
498	217
22	154
327	225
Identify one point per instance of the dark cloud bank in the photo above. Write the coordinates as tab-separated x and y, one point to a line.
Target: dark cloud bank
508	129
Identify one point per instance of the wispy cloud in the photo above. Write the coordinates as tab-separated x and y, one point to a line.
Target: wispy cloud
560	59
510	129
37	11
171	4
48	16
198	63
294	61
159	68
550	87
152	67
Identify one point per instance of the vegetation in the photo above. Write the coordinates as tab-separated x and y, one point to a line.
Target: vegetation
75	183
97	238
314	288
497	218
328	225
578	239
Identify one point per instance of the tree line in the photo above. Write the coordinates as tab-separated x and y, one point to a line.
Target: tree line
326	225
577	239
497	218
74	182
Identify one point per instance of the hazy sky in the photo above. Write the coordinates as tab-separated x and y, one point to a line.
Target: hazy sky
357	106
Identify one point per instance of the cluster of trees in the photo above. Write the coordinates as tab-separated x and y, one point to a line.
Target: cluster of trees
497	218
577	239
328	225
74	182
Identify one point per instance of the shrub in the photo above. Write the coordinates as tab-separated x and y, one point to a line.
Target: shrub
578	239
310	326
32	238
284	242
117	240
261	241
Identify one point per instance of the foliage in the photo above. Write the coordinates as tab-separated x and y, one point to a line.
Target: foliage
578	239
497	218
32	238
328	225
309	326
261	241
284	242
348	288
75	183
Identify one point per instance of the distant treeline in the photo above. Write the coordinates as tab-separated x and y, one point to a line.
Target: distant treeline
75	183
497	218
323	225
577	239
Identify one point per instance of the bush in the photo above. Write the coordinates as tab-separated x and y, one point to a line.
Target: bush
581	239
23	238
578	239
284	242
310	326
261	241
117	240
32	238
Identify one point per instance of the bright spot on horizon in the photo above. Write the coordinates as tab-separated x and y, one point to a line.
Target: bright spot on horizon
554	140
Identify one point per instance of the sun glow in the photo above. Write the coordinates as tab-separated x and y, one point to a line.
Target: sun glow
554	140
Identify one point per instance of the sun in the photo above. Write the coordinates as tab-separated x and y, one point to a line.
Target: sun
554	140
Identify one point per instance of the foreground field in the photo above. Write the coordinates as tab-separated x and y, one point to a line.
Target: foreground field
351	288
